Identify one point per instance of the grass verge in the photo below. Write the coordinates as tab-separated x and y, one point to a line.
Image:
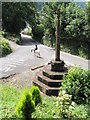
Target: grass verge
9	99
10	96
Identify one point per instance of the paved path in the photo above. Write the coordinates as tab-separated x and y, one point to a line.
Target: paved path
22	59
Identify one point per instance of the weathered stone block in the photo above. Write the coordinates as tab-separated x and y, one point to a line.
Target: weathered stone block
57	66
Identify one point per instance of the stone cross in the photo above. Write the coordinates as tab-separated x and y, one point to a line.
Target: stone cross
57	65
57	57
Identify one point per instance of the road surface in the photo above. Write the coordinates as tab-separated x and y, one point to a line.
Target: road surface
22	58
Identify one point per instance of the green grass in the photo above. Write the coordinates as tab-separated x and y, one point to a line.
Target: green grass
47	109
8	101
10	96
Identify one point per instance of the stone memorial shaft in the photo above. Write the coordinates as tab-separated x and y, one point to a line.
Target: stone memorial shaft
57	65
57	57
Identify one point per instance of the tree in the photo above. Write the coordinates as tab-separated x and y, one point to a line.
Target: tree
75	20
49	20
88	26
88	13
14	15
74	26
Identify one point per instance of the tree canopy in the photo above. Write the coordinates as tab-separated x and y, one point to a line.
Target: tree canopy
74	21
14	15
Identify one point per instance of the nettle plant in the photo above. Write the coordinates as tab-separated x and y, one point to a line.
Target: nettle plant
64	103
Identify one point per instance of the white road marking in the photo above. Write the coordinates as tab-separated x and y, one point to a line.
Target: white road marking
7	69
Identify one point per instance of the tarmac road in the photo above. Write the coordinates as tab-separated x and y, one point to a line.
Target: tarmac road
23	59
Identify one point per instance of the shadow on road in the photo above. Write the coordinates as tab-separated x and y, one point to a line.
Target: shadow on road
39	57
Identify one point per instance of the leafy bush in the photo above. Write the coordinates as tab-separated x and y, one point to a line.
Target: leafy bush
18	41
5	47
13	37
69	109
5	34
26	105
76	83
1	34
35	94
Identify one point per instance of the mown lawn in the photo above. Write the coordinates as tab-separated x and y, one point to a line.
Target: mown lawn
9	97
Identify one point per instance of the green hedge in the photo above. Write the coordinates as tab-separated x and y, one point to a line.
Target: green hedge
76	83
5	47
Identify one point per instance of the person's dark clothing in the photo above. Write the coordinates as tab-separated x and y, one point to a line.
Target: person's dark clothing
35	48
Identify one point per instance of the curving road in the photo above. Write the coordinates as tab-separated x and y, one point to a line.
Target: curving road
22	58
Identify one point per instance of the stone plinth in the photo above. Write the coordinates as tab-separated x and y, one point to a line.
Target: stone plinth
49	82
57	66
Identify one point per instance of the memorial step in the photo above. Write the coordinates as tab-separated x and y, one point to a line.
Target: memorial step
52	74
51	91
49	82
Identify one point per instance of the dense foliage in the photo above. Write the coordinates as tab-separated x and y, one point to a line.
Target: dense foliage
72	19
74	23
18	41
88	13
49	20
76	83
38	32
13	37
36	97
26	105
5	47
15	14
74	27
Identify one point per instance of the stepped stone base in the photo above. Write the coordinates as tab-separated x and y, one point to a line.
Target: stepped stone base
57	66
48	81
51	91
